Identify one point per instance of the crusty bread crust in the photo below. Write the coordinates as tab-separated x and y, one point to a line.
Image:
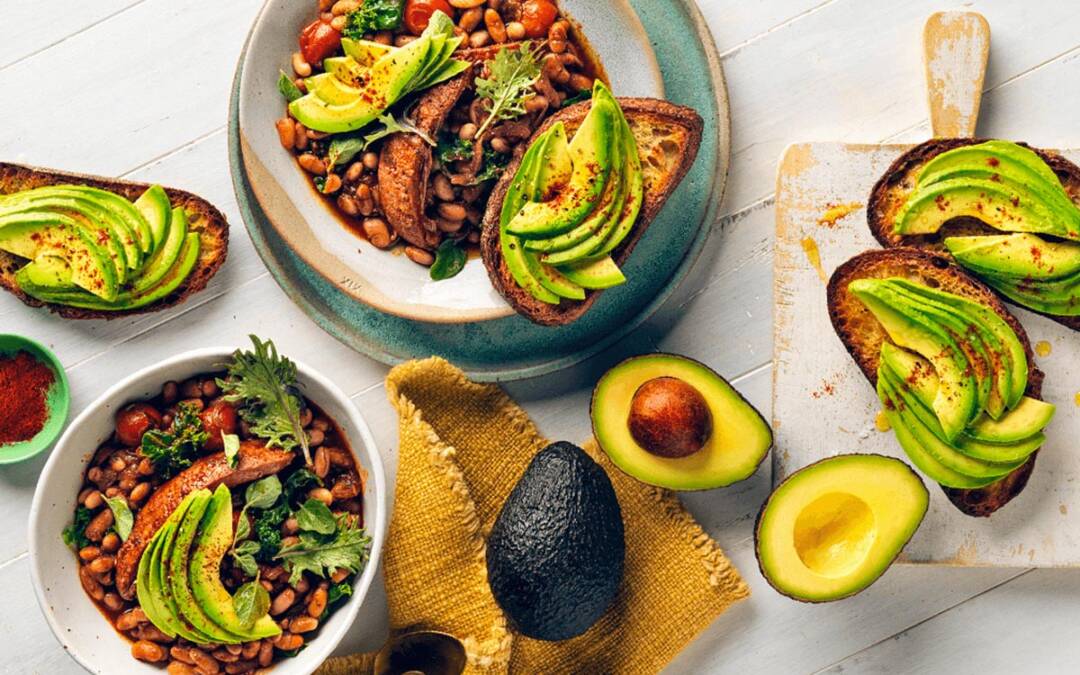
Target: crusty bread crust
862	335
204	218
668	139
892	190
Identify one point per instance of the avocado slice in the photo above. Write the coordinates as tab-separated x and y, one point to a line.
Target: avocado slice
831	529
736	443
997	205
38	234
158	578
149	596
155	207
363	52
562	286
1022	256
556	552
204	572
955	402
635	191
594	274
1059	297
346	69
1027	419
918	455
590	151
167	256
121	207
178	565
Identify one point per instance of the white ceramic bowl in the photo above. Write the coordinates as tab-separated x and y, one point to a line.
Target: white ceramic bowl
387	280
73	617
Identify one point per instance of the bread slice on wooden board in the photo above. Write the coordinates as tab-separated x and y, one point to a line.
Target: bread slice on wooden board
862	335
893	188
668	137
203	217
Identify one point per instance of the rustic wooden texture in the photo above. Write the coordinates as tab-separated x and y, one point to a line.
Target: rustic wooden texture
139	88
956	46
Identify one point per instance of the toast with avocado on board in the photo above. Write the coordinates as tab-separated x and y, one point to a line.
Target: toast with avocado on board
97	248
1007	213
570	208
952	367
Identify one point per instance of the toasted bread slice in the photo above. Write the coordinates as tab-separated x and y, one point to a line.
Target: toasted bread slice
893	188
203	218
668	137
862	335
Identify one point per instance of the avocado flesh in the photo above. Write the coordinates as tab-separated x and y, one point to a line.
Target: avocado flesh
989	360
40	234
180	562
346	69
996	205
969	457
915	451
635	192
739	440
124	209
559	284
330	89
167	256
1021	256
156	209
159	578
955	402
590	150
214	541
186	261
594	274
150	598
831	529
363	52
1057	298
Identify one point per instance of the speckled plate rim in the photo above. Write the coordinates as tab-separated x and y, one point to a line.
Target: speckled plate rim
377	350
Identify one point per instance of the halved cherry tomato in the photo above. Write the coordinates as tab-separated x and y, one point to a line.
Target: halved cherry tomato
134	421
418	13
537	17
219	418
318	40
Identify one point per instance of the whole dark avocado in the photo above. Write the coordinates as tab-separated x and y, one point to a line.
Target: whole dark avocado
555	555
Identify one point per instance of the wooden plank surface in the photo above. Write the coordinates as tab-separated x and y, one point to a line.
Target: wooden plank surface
147	91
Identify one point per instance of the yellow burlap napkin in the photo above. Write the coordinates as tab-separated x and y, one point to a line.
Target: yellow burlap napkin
463	446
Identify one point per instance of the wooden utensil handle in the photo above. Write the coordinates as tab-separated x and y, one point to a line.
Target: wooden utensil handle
955	49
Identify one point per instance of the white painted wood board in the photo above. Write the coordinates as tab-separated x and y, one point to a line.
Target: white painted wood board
823	406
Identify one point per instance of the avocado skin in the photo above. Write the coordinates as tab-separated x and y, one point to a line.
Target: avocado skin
556	552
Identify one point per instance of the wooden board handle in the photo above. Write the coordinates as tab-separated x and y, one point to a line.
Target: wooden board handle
956	46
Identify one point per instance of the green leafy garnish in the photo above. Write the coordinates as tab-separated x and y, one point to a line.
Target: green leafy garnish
513	72
494	163
346	548
450	259
344	147
373	16
122	518
231	443
174	449
268	531
453	149
75	533
314	516
334	596
261	494
584	95
264	384
298	484
320	183
252	602
288	88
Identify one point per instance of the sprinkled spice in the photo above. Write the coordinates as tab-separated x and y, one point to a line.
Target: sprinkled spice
24	384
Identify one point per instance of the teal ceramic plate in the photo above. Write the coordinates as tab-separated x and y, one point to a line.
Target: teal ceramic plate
58	399
513	348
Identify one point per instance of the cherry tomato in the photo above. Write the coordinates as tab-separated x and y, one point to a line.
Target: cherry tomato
219	418
134	421
537	17
418	13
318	40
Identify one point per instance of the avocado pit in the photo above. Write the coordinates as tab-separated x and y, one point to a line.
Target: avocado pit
669	418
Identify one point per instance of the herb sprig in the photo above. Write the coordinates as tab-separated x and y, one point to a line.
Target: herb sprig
174	449
346	547
261	494
344	147
512	74
75	533
373	16
264	384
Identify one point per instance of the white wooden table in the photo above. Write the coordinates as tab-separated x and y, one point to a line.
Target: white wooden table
139	88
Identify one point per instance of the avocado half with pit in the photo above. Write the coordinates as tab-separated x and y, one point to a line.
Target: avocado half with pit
673	422
831	529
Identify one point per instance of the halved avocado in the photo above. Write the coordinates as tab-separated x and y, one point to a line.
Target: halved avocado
672	404
832	528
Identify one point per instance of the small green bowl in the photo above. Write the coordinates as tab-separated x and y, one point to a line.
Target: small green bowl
58	400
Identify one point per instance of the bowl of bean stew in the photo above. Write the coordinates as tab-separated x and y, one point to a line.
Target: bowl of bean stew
290	475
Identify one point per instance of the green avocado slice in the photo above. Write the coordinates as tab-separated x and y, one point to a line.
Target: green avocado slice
204	572
1060	297
346	69
166	257
179	563
559	284
595	274
159	578
635	192
124	209
1027	419
149	596
922	459
995	204
155	207
955	402
1019	256
40	234
363	52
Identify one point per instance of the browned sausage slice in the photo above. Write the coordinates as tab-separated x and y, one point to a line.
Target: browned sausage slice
256	461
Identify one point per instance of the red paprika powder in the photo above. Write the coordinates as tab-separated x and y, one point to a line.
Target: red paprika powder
24	385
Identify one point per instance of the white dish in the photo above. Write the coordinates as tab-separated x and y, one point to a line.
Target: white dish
385	280
74	619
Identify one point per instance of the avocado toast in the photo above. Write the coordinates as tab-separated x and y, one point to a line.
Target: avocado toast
1007	213
145	247
666	139
937	344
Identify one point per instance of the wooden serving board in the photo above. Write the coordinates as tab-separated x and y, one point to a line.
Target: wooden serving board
822	404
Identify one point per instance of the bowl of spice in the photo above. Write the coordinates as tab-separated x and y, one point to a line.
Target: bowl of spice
34	398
